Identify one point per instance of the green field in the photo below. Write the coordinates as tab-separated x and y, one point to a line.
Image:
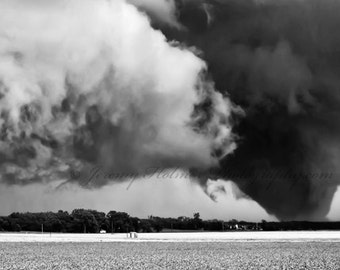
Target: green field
170	255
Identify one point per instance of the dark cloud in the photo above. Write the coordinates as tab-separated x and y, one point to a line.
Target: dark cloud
127	100
279	60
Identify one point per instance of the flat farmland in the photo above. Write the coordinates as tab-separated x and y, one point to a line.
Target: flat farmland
235	236
169	251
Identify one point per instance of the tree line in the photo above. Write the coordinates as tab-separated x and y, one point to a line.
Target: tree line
92	221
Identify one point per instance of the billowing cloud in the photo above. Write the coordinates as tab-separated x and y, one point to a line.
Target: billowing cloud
91	83
86	83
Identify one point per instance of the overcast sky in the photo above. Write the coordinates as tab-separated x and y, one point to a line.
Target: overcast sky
246	91
159	197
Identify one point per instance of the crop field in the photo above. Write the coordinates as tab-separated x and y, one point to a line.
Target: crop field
169	255
235	236
157	254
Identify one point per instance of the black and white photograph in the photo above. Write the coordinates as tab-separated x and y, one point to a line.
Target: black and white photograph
169	134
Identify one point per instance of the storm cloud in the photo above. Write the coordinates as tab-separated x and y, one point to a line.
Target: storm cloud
241	90
278	60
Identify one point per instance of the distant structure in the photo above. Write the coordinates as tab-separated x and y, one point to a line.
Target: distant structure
102	231
132	235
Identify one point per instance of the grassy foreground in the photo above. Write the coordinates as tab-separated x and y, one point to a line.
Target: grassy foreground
165	255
